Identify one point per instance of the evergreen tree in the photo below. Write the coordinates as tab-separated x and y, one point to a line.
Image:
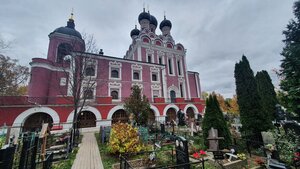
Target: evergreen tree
267	94
290	65
253	117
138	105
214	118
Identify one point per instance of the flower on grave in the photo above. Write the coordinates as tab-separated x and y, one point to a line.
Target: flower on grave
196	155
199	154
296	156
241	156
259	161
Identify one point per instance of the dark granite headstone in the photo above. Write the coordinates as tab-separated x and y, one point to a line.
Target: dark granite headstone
182	155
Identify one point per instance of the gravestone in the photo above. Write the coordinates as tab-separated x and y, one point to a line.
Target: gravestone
143	133
162	128
181	118
213	141
105	133
102	134
268	138
182	154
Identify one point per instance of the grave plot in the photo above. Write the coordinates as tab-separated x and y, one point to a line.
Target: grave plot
156	150
33	150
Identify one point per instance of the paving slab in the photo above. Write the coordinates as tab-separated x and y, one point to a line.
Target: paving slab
88	156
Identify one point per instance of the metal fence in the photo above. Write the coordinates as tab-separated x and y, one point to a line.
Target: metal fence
7	157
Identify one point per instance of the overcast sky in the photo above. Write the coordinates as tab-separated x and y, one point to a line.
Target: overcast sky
216	33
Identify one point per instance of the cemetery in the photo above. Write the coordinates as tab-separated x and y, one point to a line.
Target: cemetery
181	144
178	144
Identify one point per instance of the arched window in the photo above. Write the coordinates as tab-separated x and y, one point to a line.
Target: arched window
170	66
136	76
63	50
149	59
90	71
115	73
154	77
172	96
114	94
160	60
88	94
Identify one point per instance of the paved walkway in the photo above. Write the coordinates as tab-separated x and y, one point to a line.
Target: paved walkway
88	156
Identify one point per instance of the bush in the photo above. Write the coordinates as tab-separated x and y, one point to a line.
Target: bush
2	141
124	139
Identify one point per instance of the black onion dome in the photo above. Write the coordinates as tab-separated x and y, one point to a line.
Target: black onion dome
164	23
135	32
144	15
153	20
68	30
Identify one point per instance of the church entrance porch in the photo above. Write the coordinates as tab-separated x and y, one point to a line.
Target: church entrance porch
86	119
35	121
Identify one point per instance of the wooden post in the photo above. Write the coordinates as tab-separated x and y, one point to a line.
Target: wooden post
7	135
43	135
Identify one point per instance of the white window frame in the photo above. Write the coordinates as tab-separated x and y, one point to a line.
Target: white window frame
150	52
113	65
115	86
153	88
172	66
160	55
93	63
86	84
139	69
180	67
182	82
155	70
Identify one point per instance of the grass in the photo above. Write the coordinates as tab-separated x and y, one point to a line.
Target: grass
107	159
163	155
66	164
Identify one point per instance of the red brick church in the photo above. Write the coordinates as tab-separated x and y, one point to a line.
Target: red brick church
154	61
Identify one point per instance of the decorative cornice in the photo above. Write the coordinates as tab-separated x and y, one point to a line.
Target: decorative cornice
150	51
156	87
115	64
114	84
49	67
154	69
136	67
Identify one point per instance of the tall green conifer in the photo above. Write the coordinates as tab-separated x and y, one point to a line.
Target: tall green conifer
214	118
267	94
253	117
290	65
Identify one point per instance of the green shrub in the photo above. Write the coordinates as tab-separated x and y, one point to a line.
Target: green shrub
124	139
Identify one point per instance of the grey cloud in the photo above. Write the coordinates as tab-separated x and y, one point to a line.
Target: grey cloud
216	33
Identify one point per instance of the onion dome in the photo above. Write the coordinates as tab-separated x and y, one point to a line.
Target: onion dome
134	32
164	23
69	29
144	15
153	20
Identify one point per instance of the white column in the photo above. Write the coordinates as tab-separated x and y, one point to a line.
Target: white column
164	81
197	85
139	53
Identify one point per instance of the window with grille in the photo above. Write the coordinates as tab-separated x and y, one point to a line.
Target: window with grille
90	71
136	76
114	73
88	94
114	94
